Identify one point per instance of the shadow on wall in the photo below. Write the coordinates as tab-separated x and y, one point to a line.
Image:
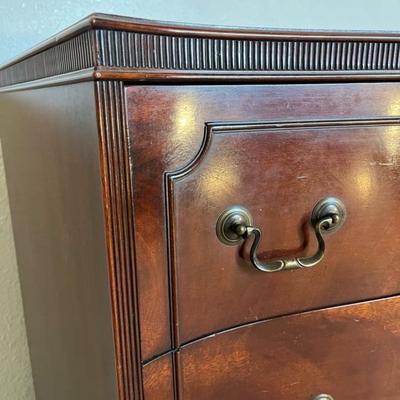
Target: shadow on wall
15	371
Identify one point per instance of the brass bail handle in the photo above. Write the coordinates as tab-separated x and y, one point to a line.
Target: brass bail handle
235	224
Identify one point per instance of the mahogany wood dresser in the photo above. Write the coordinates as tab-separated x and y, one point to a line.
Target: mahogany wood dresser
207	213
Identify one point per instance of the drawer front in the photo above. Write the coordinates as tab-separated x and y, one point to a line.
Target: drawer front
278	172
275	150
350	353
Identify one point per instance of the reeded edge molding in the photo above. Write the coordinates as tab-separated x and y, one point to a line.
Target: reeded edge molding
139	50
106	21
79	27
118	209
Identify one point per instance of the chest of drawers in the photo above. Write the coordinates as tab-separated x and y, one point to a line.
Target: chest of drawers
207	213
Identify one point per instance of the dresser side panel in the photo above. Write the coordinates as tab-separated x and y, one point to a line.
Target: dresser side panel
51	154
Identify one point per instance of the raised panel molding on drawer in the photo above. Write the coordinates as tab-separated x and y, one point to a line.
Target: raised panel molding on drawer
279	171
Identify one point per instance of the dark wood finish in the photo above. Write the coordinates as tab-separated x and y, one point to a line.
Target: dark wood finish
158	379
174	119
279	172
349	352
104	43
115	22
238	77
53	173
268	53
111	177
54	61
119	229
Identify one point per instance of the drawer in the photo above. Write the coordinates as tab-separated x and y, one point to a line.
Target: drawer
350	353
275	150
278	171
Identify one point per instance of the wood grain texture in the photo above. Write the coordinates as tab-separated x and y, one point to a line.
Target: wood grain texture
130	180
118	203
106	43
349	352
172	121
53	174
158	379
279	171
151	154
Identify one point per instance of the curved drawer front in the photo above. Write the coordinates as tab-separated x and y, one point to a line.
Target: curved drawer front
347	352
278	172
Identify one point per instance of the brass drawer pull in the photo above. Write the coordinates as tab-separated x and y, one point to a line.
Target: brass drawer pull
235	224
323	397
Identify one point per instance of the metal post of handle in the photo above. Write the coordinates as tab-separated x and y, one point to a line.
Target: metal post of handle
235	225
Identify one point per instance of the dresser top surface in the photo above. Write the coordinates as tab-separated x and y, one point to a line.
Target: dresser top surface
131	24
114	47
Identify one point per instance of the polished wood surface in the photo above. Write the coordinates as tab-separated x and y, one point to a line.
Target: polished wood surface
108	47
174	119
279	173
348	352
128	175
54	184
118	205
158	379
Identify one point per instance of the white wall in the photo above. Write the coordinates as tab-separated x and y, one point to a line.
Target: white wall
25	23
15	370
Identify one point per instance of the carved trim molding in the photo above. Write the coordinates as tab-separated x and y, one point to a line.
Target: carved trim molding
114	46
72	55
118	205
143	50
